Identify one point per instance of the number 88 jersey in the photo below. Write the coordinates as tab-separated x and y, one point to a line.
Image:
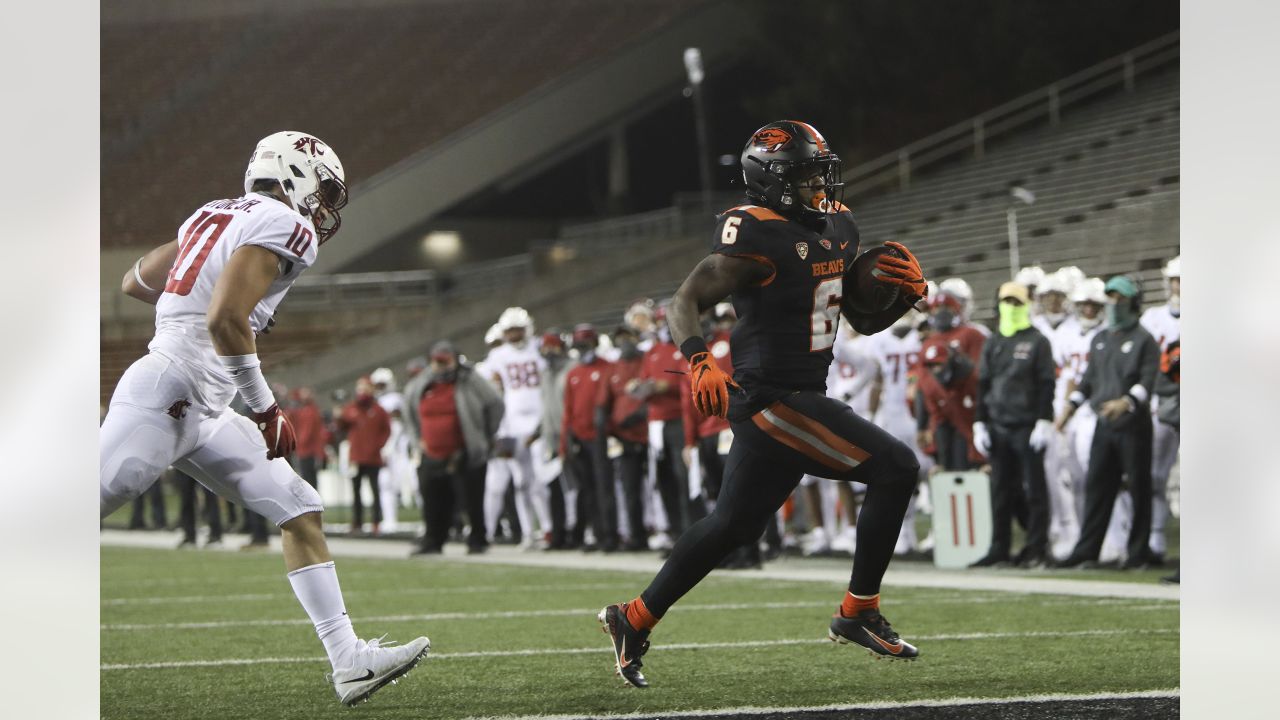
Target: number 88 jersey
787	323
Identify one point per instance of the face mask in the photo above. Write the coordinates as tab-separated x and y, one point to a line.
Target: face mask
629	349
1013	318
1175	305
587	357
943	320
1055	318
447	376
555	359
1089	323
1121	315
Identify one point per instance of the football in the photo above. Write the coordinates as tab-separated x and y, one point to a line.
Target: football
864	293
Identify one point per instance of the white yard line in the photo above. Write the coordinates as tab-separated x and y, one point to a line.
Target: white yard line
805	571
875	705
604	649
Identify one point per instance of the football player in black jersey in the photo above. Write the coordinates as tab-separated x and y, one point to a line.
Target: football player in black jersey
782	259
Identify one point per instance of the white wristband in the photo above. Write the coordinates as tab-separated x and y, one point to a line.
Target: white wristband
1139	393
137	276
246	373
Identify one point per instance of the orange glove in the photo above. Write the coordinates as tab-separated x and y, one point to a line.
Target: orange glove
905	273
710	385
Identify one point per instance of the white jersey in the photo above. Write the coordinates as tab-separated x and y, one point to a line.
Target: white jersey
393	403
1073	348
1163	325
520	370
206	242
895	356
851	372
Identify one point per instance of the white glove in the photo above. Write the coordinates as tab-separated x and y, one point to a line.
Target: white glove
981	438
1040	434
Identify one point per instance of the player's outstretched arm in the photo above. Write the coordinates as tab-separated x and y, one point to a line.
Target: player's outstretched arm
145	280
712	280
716	277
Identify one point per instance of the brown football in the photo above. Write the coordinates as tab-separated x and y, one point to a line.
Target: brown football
864	293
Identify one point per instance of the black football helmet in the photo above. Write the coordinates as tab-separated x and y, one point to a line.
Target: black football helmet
781	155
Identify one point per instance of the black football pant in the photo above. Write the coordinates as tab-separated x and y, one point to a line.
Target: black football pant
445	492
1116	452
631	470
713	480
357	503
805	432
597	504
673	481
307	469
951	448
188	492
1017	481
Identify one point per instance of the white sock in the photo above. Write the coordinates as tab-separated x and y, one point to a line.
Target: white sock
317	589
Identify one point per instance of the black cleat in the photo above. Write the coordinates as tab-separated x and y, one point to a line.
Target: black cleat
628	644
871	630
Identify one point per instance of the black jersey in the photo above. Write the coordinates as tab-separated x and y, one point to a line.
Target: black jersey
787	323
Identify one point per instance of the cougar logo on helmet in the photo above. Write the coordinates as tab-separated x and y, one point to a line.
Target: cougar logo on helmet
309	143
771	139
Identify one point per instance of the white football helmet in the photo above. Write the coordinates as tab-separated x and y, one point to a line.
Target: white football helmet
1053	282
1031	276
960	290
308	171
493	335
639	315
1091	290
1069	276
515	317
1173	268
383	376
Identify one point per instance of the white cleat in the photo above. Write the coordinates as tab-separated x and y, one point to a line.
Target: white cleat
375	665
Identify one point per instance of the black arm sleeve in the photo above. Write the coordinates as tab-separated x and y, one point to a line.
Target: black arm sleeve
1045	378
922	412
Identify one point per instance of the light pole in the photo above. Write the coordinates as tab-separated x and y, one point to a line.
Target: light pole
1026	197
693	66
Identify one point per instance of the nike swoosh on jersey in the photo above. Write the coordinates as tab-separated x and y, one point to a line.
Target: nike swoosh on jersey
844	244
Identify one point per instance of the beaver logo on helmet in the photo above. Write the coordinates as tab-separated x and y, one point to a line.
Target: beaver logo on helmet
771	139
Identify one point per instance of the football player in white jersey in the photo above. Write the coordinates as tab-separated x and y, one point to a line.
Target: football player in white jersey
895	353
397	471
519	368
1066	479
214	288
1163	322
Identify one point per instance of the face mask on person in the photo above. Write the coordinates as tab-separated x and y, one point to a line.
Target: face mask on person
943	319
1013	318
629	349
1121	315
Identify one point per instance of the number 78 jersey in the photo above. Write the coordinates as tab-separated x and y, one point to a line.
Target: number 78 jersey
787	323
206	242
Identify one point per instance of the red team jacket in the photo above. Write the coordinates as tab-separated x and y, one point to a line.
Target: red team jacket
581	389
657	361
618	404
368	427
308	427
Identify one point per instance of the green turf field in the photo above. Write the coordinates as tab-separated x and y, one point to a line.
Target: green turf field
511	640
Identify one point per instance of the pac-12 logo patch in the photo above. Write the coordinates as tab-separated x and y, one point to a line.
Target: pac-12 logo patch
825	243
802	249
771	139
